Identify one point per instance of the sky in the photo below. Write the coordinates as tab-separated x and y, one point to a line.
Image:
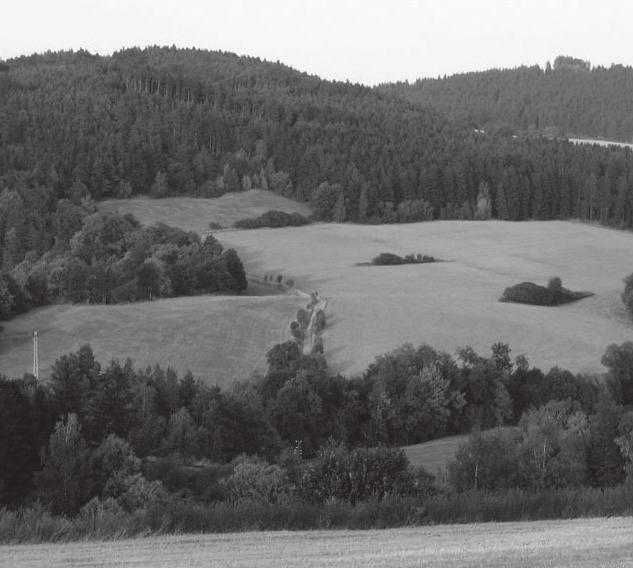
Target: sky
366	41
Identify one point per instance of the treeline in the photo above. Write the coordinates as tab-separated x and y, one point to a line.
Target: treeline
569	98
273	219
138	436
108	258
167	121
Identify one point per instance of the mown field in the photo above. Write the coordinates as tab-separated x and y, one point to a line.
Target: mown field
373	309
576	543
195	213
219	338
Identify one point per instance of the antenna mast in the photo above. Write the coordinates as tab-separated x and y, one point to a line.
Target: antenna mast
36	358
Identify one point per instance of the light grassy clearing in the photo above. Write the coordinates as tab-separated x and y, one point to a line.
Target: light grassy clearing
195	214
576	543
434	455
454	303
221	339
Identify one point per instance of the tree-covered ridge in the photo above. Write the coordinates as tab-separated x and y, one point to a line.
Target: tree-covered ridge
570	98
168	121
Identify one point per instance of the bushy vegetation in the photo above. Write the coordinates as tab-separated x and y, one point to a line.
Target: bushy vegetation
108	258
389	258
308	429
274	219
551	295
627	295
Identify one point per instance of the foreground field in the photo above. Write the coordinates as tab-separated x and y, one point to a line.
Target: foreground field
219	338
196	214
585	542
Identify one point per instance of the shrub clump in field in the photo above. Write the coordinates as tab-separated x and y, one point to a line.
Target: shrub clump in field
274	219
553	294
389	259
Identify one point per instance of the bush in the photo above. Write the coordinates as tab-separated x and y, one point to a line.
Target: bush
552	295
274	219
627	295
389	258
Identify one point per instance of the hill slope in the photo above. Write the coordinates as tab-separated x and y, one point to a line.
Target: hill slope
570	98
221	339
373	309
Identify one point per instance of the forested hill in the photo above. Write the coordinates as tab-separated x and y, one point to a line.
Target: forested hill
570	98
169	121
199	122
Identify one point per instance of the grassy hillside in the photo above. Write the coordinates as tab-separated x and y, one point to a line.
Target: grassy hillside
434	455
455	303
197	213
221	339
584	542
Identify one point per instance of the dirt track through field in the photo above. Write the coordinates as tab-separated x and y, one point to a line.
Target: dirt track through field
569	544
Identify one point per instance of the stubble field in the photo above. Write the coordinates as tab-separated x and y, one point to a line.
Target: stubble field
575	543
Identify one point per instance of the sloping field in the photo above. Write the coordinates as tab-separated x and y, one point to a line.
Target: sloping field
434	455
196	213
221	339
373	309
449	304
566	544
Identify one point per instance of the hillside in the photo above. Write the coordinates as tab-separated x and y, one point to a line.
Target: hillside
183	122
374	309
570	98
197	213
221	339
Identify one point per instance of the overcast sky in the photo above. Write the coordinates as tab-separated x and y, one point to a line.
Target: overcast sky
368	41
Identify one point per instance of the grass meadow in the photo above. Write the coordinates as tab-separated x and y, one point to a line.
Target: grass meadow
221	339
195	214
373	309
569	543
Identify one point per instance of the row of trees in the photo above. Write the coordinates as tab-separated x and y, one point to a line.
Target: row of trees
298	410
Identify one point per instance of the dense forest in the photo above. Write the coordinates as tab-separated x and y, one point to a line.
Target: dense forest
142	446
167	121
569	98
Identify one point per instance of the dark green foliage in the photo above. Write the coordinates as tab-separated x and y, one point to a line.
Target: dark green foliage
389	258
535	99
552	295
619	360
274	219
627	295
112	259
356	475
606	462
